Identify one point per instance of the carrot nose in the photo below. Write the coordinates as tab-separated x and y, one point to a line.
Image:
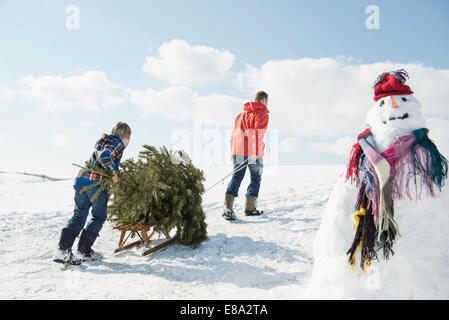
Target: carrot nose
394	105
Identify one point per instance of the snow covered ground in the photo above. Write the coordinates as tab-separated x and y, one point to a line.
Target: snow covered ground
266	257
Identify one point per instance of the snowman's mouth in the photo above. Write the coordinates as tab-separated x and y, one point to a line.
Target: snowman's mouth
405	116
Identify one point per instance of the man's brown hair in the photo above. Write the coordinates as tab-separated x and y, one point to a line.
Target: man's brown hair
260	96
121	130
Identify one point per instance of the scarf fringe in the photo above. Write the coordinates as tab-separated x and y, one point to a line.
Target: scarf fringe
434	165
364	239
353	162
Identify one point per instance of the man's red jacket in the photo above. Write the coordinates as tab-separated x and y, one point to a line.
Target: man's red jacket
249	130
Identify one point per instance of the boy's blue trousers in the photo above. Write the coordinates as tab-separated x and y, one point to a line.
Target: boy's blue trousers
81	210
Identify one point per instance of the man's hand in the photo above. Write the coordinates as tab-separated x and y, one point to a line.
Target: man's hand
114	178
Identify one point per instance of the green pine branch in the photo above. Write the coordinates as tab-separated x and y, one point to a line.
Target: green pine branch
162	188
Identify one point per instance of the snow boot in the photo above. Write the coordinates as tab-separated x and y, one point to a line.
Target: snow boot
250	207
67	238
228	212
66	256
91	256
85	243
64	253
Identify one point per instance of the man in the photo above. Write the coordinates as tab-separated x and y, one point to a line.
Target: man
247	150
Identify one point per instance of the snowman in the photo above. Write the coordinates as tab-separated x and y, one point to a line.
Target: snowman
383	233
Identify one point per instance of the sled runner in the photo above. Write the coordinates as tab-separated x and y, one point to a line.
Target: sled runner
142	232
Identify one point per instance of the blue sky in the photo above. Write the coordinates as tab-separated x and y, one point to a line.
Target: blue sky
116	37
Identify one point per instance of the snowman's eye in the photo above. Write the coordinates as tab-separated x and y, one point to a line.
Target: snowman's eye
381	103
404	99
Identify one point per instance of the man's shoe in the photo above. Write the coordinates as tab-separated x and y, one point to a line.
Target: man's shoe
229	215
250	207
228	212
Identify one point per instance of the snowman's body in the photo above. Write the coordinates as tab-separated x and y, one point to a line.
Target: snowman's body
420	266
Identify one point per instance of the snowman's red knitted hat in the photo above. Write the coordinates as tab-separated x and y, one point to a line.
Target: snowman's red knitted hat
391	83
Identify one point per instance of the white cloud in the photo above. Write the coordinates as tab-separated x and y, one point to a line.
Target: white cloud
61	140
6	93
2	136
90	91
179	63
291	145
330	98
182	103
341	146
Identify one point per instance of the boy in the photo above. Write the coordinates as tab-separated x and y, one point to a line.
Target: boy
108	153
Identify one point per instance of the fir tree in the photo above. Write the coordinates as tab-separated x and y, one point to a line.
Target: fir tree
161	188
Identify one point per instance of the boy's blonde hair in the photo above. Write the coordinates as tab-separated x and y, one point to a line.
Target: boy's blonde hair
122	130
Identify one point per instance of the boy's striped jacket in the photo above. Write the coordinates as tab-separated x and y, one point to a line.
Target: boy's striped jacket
108	153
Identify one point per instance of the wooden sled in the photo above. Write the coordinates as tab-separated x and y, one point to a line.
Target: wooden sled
142	232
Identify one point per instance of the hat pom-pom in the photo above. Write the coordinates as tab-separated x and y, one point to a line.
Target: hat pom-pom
401	75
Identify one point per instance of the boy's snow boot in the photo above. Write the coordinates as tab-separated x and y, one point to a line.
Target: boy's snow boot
64	253
67	238
228	212
85	243
66	256
91	256
250	207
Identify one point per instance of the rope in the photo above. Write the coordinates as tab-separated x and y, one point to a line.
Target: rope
240	167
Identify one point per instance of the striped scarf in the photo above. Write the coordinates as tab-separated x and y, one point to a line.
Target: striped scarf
411	160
